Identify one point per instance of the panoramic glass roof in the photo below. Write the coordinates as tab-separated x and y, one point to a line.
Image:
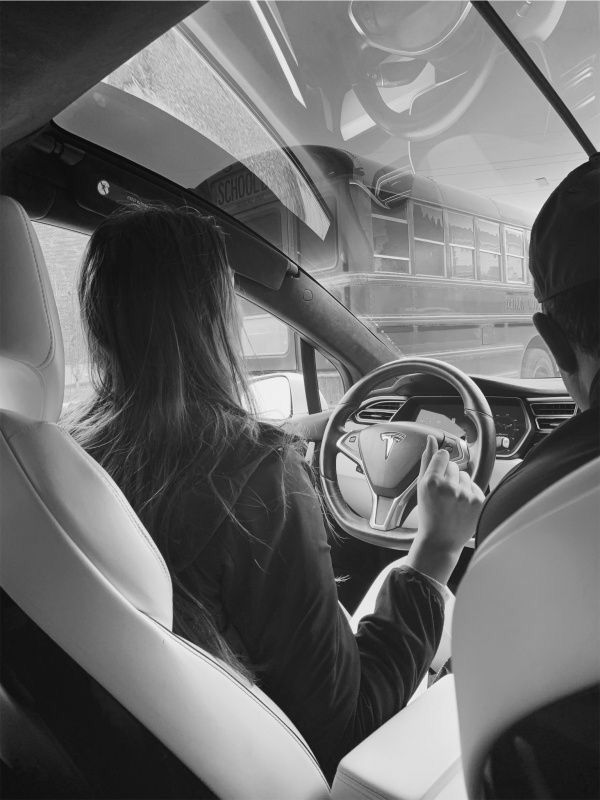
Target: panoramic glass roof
424	88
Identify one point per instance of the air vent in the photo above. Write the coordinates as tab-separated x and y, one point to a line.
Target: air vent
380	410
551	413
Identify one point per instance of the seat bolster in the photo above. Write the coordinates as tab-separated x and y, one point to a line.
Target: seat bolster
45	473
30	333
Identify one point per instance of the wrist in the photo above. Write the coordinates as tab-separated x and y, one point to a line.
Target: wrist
433	560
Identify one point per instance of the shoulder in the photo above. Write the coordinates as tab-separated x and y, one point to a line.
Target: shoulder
277	476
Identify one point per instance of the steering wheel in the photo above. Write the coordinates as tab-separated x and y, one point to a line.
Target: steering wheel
389	453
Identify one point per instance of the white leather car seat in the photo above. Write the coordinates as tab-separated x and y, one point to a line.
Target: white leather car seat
526	640
526	635
78	562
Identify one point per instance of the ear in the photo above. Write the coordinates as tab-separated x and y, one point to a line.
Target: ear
557	342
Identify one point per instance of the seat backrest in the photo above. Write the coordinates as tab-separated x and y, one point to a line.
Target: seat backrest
526	636
77	561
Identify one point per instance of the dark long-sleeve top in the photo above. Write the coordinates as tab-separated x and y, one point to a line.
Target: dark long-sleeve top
267	579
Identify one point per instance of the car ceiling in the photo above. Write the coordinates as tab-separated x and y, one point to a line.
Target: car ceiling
51	52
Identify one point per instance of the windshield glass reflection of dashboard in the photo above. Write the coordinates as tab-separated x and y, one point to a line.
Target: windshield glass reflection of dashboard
447	413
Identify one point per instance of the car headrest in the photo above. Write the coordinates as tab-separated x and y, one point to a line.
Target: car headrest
525	632
32	371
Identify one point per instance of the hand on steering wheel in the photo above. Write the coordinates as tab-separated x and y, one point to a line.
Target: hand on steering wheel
449	506
390	454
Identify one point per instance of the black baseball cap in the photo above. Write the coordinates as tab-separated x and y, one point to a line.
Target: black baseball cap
565	238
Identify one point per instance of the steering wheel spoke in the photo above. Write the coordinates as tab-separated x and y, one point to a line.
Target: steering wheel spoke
386	512
348	445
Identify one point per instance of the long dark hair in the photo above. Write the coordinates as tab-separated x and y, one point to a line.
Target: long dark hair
171	392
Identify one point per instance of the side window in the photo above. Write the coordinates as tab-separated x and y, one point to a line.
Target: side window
63	251
271	352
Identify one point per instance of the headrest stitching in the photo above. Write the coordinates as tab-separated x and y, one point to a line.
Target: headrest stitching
27	224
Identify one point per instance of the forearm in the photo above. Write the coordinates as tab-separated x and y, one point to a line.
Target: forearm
436	562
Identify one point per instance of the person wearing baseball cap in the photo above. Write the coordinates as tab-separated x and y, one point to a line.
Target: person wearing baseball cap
564	260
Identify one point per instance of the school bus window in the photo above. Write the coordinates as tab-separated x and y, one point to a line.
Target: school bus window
515	261
429	258
515	270
460	229
461	234
428	222
390	237
489	235
462	262
488	250
489	266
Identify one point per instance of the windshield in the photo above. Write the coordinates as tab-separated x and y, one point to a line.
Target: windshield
396	150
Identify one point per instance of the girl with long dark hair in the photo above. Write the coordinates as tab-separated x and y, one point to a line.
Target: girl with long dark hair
227	498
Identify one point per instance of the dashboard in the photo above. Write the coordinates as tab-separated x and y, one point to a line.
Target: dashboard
513	426
524	411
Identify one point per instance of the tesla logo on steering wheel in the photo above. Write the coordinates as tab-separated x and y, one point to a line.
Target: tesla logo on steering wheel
390	440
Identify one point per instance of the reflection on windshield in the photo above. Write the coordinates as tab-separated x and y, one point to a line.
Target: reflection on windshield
430	147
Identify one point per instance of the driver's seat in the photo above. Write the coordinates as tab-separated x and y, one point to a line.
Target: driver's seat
99	697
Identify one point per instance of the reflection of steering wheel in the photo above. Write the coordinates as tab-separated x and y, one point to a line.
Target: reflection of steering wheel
390	453
452	98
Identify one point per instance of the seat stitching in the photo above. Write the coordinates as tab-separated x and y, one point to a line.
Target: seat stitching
26	223
205	656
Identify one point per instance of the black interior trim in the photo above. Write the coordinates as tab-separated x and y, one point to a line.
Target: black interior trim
41	76
552	753
516	49
309	373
